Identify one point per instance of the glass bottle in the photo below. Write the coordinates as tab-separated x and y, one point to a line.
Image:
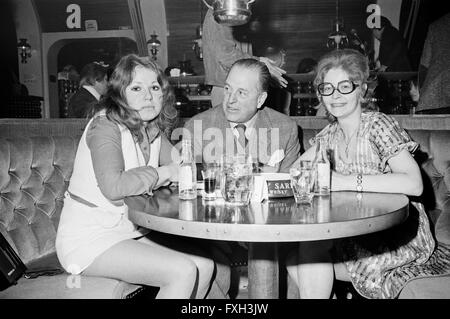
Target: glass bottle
322	170
187	177
323	209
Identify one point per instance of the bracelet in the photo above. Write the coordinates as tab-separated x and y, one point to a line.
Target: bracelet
359	187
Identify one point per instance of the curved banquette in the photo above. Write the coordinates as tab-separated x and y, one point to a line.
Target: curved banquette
36	160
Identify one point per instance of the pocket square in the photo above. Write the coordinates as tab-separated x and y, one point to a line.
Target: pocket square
276	157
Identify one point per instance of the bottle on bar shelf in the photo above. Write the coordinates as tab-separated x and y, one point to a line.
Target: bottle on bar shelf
187	177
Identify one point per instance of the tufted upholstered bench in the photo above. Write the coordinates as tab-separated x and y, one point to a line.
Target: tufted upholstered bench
36	162
34	174
434	158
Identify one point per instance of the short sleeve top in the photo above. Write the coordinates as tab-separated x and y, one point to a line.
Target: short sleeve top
379	138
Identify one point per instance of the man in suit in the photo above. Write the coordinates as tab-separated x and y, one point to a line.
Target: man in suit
242	125
93	85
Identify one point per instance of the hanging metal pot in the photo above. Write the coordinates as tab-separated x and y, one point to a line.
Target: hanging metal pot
231	12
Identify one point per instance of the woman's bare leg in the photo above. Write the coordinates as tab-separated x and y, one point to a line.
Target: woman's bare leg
315	273
135	262
340	272
188	249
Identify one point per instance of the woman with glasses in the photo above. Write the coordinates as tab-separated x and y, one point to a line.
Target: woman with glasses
370	152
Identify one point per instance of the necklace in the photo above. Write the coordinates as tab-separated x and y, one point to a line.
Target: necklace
347	142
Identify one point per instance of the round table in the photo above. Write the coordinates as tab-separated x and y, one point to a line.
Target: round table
264	224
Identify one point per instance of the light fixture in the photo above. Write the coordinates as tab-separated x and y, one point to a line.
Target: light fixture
24	50
154	44
231	12
338	38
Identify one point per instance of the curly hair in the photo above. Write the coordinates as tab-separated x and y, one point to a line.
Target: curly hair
115	103
354	63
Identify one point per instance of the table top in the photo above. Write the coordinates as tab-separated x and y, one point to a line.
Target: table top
342	214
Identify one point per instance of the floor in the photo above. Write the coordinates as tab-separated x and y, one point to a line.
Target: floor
342	290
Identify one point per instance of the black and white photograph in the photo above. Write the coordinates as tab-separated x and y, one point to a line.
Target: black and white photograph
237	158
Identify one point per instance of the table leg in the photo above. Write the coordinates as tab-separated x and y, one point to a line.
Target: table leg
263	271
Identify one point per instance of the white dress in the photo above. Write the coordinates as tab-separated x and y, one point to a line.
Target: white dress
86	232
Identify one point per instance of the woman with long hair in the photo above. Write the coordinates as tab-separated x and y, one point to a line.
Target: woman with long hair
124	151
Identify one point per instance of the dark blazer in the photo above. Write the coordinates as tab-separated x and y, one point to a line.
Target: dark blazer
276	133
81	103
393	51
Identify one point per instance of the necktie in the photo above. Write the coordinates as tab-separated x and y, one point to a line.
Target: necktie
241	130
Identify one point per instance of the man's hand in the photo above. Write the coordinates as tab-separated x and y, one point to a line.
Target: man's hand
275	71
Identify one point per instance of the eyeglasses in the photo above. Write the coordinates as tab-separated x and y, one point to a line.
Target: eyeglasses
343	87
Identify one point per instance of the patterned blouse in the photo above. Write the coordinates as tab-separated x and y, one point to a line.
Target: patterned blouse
378	138
380	264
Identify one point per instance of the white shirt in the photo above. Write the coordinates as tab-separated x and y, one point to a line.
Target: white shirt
249	124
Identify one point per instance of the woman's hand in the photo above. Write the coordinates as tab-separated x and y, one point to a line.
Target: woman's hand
173	172
341	182
275	71
167	174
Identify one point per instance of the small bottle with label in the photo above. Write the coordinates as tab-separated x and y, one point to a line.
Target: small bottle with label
187	177
322	169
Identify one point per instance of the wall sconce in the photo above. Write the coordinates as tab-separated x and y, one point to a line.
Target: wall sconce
24	50
154	45
338	38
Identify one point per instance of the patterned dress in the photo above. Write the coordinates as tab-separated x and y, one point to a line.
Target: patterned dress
380	264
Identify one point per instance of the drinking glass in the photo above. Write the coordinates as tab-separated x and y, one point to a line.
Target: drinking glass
211	180
302	182
237	180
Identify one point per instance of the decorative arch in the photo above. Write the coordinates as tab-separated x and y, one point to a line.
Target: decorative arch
52	43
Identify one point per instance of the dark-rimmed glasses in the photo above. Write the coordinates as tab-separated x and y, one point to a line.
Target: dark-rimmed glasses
343	87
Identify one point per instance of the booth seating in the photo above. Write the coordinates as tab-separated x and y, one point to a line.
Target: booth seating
34	174
36	161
